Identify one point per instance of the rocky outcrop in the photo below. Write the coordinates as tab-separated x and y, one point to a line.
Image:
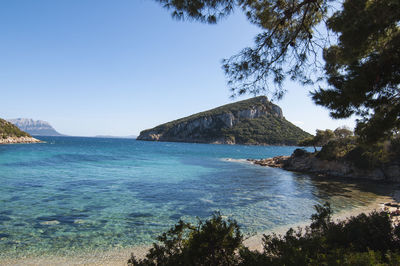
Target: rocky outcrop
11	134
35	127
194	130
301	161
224	125
17	140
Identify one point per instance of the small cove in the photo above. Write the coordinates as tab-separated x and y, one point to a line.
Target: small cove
72	196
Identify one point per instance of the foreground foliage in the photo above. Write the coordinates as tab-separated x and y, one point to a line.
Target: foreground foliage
213	242
358	40
362	240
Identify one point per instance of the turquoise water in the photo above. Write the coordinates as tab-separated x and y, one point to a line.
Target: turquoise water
77	194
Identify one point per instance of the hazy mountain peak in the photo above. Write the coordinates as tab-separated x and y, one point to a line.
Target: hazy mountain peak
35	127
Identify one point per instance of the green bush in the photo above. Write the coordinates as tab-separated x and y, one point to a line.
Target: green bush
374	155
337	148
213	242
362	240
342	145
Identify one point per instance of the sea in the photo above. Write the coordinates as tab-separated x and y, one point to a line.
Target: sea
76	194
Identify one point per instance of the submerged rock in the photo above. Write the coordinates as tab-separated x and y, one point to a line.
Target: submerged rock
53	222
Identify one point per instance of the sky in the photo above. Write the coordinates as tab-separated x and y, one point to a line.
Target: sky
99	67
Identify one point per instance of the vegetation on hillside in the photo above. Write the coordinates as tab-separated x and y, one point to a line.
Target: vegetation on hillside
232	108
343	145
362	240
9	130
267	129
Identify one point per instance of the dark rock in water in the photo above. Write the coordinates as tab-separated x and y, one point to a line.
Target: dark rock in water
6	212
91	208
252	121
20	224
65	219
4	218
140	215
175	217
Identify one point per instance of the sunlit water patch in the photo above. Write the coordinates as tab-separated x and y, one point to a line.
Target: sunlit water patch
83	194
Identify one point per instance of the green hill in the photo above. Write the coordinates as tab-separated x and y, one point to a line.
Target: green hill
9	130
252	121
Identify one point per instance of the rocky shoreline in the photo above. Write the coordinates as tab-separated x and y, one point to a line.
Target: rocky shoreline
19	140
305	162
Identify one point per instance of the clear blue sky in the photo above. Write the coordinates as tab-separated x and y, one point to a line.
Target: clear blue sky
117	67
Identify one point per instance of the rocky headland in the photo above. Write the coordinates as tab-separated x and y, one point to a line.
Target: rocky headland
254	121
16	140
302	161
11	134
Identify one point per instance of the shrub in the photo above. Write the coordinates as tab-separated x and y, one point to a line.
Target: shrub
213	242
374	155
337	148
299	152
362	240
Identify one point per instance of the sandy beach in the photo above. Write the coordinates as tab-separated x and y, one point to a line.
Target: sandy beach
120	256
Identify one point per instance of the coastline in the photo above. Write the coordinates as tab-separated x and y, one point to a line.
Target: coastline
305	162
120	256
19	140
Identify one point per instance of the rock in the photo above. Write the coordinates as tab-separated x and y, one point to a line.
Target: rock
79	221
10	134
307	162
277	162
52	222
35	127
16	140
252	121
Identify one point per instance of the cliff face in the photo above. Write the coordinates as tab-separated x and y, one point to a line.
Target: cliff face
251	121
35	127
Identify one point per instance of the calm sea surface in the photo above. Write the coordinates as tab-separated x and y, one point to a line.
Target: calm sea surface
78	194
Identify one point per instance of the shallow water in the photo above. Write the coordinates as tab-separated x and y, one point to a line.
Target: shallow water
82	194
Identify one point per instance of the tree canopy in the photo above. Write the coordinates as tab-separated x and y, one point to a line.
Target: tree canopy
359	41
321	138
363	69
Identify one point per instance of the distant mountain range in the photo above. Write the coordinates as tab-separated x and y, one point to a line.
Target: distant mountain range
35	127
252	121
